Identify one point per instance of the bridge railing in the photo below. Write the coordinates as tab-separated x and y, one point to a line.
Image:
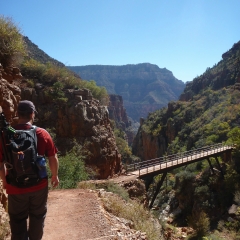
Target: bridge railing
175	159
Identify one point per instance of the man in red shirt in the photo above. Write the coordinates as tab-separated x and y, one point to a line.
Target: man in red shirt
30	202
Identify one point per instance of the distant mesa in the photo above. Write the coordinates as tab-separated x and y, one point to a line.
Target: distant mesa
144	87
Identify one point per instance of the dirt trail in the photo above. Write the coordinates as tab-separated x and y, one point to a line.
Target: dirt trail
76	214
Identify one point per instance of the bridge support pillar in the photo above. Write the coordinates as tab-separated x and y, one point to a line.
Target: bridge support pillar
227	156
158	189
148	181
210	164
219	166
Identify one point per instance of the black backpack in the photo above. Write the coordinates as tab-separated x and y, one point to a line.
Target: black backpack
22	167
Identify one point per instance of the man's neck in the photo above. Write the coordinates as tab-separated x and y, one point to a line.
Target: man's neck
24	121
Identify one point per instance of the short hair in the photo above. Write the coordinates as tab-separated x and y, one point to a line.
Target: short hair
25	115
26	106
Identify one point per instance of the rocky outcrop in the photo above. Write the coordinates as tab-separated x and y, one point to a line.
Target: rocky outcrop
9	98
81	118
9	91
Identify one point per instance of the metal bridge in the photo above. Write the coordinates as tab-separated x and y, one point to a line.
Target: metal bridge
148	169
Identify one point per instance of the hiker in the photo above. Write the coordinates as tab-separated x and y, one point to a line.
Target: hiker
29	201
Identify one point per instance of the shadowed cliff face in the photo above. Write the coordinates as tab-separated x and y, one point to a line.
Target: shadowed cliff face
144	87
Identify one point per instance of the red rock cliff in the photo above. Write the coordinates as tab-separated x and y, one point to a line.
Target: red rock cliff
81	118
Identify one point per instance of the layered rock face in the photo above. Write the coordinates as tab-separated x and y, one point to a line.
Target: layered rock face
118	113
81	118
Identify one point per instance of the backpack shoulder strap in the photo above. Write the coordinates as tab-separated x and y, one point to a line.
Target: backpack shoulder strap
34	127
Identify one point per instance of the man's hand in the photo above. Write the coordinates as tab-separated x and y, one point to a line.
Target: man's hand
53	164
54	181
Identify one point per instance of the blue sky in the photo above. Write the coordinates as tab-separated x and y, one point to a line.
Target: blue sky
185	36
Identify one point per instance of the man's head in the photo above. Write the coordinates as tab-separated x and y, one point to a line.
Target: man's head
26	109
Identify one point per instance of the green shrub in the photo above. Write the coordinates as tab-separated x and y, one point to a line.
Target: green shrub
97	91
123	148
56	93
11	42
201	190
115	188
60	78
157	130
30	83
72	169
234	138
122	145
200	222
185	176
51	131
230	185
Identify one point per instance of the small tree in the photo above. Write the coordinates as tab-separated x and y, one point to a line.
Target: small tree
200	222
11	42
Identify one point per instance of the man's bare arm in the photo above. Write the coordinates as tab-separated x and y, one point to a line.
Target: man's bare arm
53	165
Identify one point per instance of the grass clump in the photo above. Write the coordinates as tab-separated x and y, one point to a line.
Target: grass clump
115	188
12	46
108	186
86	185
133	211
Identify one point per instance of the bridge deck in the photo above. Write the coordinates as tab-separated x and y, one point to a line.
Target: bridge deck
167	163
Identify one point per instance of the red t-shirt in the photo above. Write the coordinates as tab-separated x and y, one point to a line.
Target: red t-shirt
45	147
